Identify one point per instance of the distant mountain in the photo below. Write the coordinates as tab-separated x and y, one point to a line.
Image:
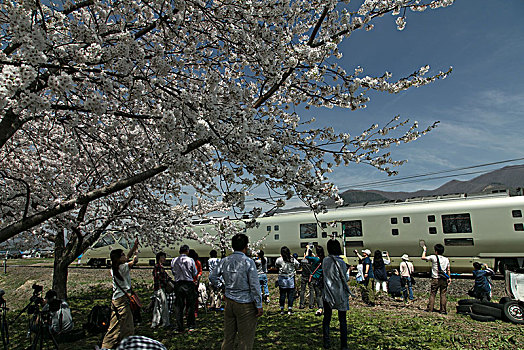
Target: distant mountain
510	177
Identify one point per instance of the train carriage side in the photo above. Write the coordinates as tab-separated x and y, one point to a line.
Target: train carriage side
489	229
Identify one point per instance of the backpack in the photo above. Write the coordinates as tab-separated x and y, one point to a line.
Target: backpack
98	319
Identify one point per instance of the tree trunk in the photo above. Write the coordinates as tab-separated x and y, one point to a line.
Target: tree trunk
60	273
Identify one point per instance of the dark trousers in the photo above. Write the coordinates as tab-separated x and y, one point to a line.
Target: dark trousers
304	283
343	327
185	294
365	287
288	293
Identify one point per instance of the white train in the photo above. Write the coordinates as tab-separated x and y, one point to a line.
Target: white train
481	227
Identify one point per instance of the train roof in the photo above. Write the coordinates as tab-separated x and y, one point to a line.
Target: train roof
412	200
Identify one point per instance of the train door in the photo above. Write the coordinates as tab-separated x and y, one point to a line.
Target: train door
352	235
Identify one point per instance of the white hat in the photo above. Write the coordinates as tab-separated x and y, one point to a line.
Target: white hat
405	257
366	251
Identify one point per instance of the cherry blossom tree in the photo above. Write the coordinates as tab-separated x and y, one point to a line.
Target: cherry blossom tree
114	108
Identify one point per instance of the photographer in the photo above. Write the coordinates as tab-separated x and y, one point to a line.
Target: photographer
60	319
121	324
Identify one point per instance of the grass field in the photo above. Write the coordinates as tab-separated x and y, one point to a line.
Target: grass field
389	325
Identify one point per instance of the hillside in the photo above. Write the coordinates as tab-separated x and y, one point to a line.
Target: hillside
509	177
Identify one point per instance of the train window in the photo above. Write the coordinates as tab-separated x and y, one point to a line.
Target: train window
458	241
308	231
406	220
431	218
105	241
394	232
456	223
394	221
99	244
303	244
519	227
323	225
276	227
324	234
277	237
268	228
123	242
353	244
352	228
516	213
432	230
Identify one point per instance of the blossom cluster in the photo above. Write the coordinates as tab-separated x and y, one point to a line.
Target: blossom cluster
166	100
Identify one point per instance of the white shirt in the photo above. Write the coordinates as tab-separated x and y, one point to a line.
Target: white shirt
406	269
444	263
124	284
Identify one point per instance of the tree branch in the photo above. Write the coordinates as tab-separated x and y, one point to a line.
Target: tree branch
36	219
78	6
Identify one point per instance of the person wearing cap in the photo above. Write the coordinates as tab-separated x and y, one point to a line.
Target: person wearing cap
406	270
184	271
367	267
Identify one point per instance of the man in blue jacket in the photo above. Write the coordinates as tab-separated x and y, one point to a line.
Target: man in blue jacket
243	295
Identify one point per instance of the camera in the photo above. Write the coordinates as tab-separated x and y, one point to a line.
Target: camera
36	300
37	289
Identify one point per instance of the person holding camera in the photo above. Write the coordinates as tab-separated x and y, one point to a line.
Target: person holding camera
482	288
380	261
316	278
60	318
287	266
366	288
261	265
305	280
121	323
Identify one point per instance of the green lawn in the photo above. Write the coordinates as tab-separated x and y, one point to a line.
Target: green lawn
389	325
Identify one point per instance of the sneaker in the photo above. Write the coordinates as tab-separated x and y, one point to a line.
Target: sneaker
443	312
282	312
290	312
301	307
318	312
191	329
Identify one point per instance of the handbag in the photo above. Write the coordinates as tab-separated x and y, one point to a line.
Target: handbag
134	301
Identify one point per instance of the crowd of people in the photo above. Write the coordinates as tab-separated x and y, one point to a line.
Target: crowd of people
238	285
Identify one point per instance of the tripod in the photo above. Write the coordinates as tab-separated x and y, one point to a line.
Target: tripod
41	330
4	326
38	323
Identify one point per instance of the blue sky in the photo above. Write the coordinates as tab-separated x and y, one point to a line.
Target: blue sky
480	105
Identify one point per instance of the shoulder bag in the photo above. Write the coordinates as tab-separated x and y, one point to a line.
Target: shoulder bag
134	301
441	274
413	282
312	273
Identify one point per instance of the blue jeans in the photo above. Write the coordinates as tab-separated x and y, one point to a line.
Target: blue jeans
263	284
410	287
288	293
